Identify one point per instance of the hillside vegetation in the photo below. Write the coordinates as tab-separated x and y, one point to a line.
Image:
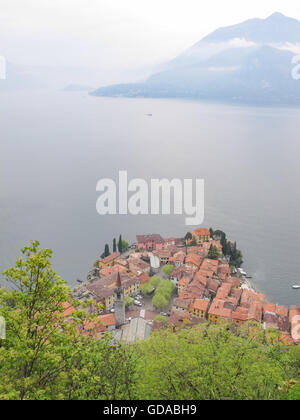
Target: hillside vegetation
44	357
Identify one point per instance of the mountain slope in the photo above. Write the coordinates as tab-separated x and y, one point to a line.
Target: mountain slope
248	62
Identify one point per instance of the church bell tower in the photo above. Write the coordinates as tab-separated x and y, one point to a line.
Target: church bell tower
119	302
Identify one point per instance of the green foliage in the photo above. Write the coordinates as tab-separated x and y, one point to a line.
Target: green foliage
229	248
125	246
207	362
161	318
146	288
46	357
188	236
106	250
159	301
128	301
213	253
114	245
294	392
168	269
163	293
154	281
120	245
43	355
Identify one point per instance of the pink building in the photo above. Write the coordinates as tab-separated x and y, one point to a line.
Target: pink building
150	242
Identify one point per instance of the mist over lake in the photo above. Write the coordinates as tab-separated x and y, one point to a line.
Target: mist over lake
57	145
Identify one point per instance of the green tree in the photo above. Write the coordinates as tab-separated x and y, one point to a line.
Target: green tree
206	363
161	318
159	301
128	301
120	245
294	392
147	288
106	250
213	253
114	245
46	357
188	236
168	269
125	246
154	281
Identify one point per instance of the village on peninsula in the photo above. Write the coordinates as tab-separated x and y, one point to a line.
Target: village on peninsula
177	283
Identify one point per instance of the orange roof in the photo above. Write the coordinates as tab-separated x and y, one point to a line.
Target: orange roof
105	271
184	281
282	311
270	307
194	259
200	304
201	278
143	278
110	257
218	308
201	232
68	309
107	319
248	296
210	265
186	294
240	314
179	256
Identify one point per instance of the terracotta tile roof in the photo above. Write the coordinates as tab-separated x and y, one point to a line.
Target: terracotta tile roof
182	303
176	318
196	250
187	294
179	256
149	238
105	271
110	257
255	311
107	319
240	314
224	268
211	265
282	311
201	232
184	281
200	277
248	296
194	259
212	285
105	286
68	309
224	291
218	308
143	278
269	307
200	305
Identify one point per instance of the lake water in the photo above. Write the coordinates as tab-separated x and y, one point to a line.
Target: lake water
55	146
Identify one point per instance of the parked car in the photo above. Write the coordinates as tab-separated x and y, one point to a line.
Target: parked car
137	303
112	310
163	313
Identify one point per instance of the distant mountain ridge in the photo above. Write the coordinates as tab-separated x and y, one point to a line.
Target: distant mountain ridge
276	28
250	62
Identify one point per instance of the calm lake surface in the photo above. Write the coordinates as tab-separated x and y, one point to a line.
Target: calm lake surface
55	146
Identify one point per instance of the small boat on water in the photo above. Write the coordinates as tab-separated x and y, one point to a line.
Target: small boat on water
296	286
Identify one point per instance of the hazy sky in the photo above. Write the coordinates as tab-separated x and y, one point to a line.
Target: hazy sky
123	34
